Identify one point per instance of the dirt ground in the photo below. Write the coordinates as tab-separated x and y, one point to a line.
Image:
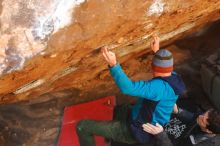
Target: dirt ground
37	122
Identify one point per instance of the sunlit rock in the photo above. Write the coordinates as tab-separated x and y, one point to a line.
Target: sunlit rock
52	45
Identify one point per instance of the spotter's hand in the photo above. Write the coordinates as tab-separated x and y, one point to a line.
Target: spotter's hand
149	128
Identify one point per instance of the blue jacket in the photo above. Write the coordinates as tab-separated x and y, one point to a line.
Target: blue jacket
156	97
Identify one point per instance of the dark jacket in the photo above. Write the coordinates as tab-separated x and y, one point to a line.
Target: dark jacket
183	130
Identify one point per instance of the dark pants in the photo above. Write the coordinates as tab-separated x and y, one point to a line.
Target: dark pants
116	130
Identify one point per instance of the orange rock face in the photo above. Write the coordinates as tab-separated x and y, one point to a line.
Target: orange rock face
54	44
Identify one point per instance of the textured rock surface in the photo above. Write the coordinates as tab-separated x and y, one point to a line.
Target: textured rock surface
37	122
54	44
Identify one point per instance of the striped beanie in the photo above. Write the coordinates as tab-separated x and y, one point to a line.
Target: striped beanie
162	61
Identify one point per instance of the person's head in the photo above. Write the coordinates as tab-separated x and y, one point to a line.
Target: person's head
209	122
162	64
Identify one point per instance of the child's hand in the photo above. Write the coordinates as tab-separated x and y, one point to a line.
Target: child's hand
109	56
175	109
155	44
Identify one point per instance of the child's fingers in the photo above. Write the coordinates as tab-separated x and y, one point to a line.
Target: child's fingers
104	55
107	53
157	38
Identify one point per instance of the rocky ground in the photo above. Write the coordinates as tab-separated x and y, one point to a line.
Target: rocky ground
37	122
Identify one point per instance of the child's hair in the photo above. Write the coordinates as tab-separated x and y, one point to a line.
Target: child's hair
214	121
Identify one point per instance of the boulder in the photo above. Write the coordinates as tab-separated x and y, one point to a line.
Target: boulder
53	45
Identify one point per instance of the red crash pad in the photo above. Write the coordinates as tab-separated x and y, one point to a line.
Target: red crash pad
101	109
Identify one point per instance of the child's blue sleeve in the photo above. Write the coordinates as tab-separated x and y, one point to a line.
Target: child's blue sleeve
144	89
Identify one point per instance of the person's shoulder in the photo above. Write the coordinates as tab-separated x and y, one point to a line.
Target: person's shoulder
156	81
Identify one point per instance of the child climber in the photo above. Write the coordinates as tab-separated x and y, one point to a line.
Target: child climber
156	99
